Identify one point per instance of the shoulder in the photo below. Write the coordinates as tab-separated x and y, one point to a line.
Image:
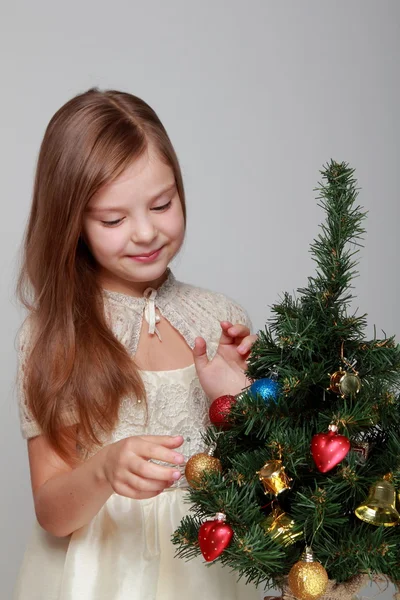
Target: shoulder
217	305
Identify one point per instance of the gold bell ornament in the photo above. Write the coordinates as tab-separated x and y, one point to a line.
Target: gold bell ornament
307	578
279	525
380	506
274	478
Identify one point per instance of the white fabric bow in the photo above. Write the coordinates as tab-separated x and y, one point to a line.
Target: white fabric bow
150	311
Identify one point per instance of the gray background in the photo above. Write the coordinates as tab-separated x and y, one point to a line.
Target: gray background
256	97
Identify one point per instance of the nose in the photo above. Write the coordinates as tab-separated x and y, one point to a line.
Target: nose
143	231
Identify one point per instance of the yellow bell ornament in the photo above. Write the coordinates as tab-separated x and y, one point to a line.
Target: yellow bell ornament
380	506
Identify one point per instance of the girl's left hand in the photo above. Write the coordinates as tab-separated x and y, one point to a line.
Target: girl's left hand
224	374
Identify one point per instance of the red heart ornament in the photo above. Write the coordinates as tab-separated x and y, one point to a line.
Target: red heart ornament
214	537
328	449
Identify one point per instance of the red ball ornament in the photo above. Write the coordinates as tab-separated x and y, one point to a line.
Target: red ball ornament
214	537
328	449
220	409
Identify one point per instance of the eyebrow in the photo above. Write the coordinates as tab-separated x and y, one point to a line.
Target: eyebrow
161	192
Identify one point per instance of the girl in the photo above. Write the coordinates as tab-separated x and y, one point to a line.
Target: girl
118	361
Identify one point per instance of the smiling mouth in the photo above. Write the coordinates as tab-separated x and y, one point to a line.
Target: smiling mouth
146	254
146	257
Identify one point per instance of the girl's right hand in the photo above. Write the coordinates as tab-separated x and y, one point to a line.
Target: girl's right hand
127	469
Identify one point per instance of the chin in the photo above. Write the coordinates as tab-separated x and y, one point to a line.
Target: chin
146	272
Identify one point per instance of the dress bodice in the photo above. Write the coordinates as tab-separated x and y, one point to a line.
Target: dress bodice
175	405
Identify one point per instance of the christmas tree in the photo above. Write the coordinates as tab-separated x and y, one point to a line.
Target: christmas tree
307	459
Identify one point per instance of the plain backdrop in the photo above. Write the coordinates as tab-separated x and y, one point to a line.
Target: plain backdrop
257	96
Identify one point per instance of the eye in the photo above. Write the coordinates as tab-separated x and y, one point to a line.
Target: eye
163	207
111	223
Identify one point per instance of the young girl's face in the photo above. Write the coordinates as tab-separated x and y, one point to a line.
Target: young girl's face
134	226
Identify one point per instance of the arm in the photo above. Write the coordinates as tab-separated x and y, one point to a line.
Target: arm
66	499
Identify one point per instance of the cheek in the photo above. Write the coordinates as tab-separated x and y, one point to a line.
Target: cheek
104	243
176	224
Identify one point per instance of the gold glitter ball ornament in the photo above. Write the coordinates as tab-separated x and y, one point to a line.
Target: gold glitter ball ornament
198	465
307	578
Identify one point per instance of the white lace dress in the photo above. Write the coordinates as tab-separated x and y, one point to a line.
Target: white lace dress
125	552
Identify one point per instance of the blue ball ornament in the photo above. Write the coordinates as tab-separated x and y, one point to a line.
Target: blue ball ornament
269	389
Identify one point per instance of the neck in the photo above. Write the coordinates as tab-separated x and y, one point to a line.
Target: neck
130	288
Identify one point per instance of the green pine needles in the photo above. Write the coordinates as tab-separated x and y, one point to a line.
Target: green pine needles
308	338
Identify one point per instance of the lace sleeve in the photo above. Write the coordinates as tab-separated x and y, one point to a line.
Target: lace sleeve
239	315
28	425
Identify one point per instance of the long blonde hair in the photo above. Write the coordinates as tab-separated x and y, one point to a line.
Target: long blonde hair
88	143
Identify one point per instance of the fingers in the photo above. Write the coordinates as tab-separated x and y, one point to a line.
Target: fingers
151	450
169	441
128	468
200	353
124	489
235	331
141	484
226	338
246	344
151	471
237	334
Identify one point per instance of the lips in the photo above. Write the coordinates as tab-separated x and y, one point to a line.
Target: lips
147	257
146	254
